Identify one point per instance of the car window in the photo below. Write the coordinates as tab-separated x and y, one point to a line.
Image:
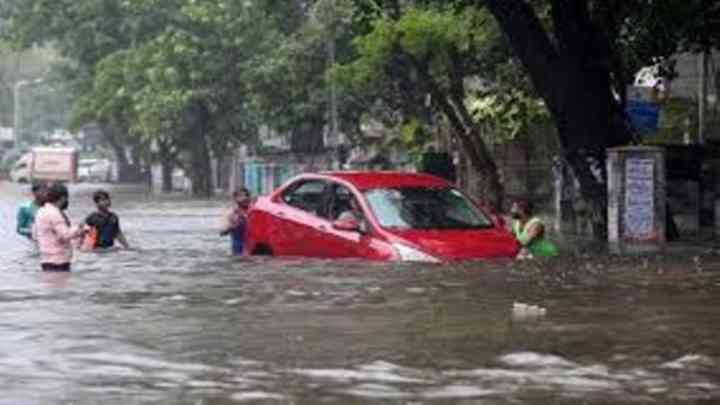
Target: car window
425	208
307	196
21	166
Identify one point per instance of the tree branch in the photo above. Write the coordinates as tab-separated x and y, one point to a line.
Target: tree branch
530	42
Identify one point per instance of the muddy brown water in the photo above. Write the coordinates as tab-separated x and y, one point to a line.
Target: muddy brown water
179	321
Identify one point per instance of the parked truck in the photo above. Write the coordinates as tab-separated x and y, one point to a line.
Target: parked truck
46	164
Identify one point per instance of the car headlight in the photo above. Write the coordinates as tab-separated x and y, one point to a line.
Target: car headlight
408	254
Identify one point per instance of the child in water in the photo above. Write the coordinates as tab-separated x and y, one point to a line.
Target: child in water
104	225
235	222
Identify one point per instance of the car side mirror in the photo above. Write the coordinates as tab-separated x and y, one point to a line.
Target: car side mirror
348	225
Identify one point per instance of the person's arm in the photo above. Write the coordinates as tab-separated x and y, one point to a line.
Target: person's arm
121	236
346	216
535	231
64	232
227	223
122	240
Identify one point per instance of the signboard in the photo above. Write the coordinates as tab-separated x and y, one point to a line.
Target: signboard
643	115
639	215
54	164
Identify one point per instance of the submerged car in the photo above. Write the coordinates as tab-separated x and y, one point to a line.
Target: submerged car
375	216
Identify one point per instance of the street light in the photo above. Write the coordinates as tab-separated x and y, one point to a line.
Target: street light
16	107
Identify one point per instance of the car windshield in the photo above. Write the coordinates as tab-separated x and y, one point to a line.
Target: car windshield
425	208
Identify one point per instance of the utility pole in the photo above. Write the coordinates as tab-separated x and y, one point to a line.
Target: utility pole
17	106
702	93
333	89
333	92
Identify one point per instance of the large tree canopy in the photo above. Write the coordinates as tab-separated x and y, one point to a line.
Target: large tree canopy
581	54
192	78
425	55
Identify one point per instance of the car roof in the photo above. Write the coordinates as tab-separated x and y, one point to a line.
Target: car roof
365	180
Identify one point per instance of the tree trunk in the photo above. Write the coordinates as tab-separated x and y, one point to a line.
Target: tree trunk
480	158
220	182
469	135
167	165
111	139
167	176
573	77
494	194
200	165
201	171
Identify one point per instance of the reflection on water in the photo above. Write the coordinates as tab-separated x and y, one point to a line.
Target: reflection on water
179	321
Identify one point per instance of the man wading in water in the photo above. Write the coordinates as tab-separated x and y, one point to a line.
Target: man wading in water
53	231
530	232
27	211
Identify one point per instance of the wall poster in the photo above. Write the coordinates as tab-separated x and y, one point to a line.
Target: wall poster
639	215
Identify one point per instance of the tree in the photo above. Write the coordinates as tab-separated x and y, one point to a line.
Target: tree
84	32
572	74
193	80
585	54
168	73
430	51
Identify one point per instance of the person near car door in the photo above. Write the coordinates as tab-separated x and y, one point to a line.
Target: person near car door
53	231
530	232
352	214
235	221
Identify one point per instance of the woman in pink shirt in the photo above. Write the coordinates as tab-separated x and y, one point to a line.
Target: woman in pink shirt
53	231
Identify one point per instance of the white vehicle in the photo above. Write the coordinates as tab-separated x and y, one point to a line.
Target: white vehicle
46	163
95	170
101	171
83	171
20	172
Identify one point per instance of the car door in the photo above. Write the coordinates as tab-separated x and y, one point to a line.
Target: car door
297	222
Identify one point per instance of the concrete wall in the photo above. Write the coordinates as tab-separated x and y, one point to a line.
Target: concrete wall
687	83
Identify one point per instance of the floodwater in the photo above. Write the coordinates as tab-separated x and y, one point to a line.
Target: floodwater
178	321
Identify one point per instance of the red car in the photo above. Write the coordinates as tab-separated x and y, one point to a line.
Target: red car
375	216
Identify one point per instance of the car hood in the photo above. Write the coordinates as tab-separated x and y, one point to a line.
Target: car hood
461	244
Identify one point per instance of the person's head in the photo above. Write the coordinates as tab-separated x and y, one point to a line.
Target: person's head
521	209
242	197
102	200
57	194
39	192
